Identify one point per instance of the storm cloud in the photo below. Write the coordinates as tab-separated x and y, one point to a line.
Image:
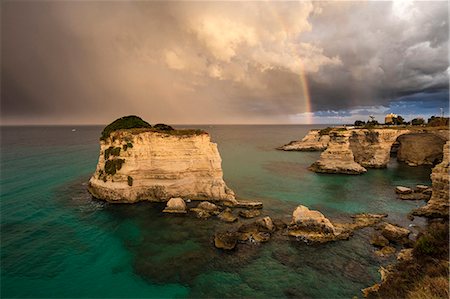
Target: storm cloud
220	62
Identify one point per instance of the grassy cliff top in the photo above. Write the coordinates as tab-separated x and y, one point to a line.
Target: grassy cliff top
135	125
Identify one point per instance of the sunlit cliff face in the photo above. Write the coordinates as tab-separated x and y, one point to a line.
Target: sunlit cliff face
221	62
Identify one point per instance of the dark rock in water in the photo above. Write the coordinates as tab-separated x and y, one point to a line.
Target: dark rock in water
205	210
226	240
395	233
249	213
379	241
200	213
249	204
280	224
254	232
421	188
227	216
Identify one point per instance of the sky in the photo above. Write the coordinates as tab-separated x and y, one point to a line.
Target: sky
258	62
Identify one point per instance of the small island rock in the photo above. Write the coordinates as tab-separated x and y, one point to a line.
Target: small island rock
175	205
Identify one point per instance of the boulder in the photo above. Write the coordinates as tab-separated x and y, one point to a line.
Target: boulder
395	233
414	196
266	224
249	204
225	240
207	206
403	190
365	220
421	188
252	213
312	220
379	241
227	216
175	205
200	213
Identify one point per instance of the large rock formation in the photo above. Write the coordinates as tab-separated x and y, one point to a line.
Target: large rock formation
351	151
338	157
315	140
145	164
419	149
438	205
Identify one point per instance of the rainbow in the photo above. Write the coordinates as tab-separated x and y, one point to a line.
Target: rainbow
303	80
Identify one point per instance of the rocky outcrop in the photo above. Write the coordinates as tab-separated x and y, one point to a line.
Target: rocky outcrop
420	149
438	205
252	213
142	164
351	151
338	157
395	233
313	227
227	216
175	205
313	141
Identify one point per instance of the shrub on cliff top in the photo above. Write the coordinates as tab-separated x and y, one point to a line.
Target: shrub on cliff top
163	127
126	122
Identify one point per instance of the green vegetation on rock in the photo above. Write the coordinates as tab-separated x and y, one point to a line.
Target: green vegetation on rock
126	122
163	127
112	166
112	151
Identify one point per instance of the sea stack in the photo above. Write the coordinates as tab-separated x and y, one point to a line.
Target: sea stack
138	162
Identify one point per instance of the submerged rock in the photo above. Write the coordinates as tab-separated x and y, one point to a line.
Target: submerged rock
225	240
175	205
227	216
205	210
252	213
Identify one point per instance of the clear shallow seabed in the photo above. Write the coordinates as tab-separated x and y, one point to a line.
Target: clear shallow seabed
58	242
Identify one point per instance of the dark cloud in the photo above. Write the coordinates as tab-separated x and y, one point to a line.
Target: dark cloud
219	62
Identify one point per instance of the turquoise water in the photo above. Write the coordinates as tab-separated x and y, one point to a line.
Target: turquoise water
58	242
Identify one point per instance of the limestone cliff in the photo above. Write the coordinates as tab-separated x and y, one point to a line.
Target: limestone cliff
313	141
351	151
338	157
143	164
438	205
420	149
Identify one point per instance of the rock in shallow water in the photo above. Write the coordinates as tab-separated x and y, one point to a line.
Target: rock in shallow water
379	241
227	216
252	213
403	190
395	233
175	205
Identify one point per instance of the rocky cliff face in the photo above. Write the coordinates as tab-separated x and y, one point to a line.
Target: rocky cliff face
438	205
420	149
338	157
372	148
136	165
352	151
313	141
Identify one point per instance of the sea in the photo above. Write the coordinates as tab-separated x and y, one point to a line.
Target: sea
58	242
